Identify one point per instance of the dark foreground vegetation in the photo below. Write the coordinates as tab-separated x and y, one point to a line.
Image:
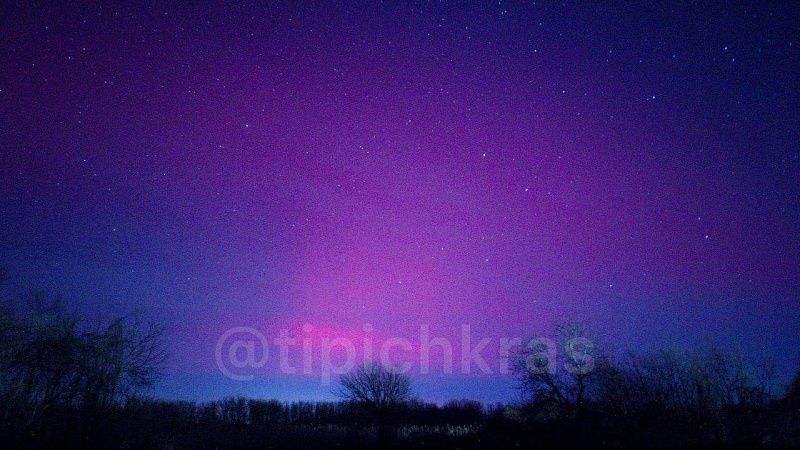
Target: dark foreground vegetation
63	385
258	424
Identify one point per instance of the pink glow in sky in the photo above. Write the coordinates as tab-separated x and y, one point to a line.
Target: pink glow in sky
405	165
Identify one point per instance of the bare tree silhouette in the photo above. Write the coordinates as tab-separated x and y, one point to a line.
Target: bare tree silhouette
379	390
555	375
50	362
375	386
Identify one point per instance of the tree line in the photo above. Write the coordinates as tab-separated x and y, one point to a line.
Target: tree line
66	385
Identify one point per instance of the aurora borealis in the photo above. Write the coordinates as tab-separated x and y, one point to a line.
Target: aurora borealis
505	165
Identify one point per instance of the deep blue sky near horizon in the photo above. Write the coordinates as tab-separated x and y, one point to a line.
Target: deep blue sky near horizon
505	165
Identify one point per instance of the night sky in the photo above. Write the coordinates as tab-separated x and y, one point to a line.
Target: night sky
505	165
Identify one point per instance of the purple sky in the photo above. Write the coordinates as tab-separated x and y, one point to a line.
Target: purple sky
502	165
